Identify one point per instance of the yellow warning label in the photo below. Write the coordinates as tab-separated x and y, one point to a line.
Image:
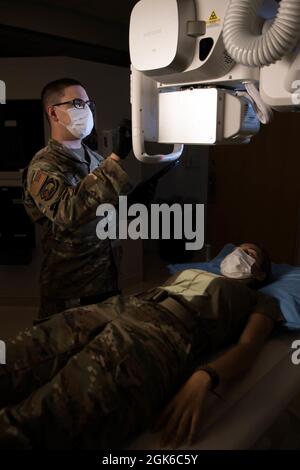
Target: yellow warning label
213	18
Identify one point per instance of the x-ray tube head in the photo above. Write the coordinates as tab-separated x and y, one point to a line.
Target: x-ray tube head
209	72
158	42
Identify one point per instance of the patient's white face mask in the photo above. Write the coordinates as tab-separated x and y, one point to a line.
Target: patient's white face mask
237	265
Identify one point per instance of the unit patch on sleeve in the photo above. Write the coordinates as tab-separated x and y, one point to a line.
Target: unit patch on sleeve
49	188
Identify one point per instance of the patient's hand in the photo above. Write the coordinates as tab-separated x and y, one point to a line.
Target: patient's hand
180	420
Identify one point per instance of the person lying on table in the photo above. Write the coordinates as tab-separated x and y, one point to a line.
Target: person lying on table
94	377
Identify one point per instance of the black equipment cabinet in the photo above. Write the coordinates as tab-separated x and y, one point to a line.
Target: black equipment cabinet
21	136
17	233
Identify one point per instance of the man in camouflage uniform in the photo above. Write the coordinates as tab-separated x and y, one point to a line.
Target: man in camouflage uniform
65	183
93	377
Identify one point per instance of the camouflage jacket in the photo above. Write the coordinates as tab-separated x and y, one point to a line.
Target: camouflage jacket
62	193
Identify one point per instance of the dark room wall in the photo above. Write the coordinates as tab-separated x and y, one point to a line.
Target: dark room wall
257	190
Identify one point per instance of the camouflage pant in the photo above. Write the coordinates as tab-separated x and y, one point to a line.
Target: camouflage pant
91	377
52	305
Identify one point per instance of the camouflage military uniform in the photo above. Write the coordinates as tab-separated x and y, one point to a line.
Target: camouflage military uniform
93	377
62	193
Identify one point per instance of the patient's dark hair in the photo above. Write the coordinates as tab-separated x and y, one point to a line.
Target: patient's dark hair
265	265
53	91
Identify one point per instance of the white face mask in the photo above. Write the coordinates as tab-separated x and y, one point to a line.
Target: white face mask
237	265
81	123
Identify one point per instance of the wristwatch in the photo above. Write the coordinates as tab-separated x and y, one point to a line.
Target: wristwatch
215	379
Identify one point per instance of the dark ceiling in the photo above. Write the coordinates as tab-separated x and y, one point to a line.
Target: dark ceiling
113	11
25	32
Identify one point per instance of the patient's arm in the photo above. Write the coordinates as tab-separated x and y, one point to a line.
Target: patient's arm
182	416
241	356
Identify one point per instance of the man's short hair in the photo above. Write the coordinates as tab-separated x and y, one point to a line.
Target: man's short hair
53	91
265	265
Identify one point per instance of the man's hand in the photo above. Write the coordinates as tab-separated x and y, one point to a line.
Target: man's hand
115	157
122	139
181	418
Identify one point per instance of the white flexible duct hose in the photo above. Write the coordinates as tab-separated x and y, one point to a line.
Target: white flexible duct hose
256	51
263	111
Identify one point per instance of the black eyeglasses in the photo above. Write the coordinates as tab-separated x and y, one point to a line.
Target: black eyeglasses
79	104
